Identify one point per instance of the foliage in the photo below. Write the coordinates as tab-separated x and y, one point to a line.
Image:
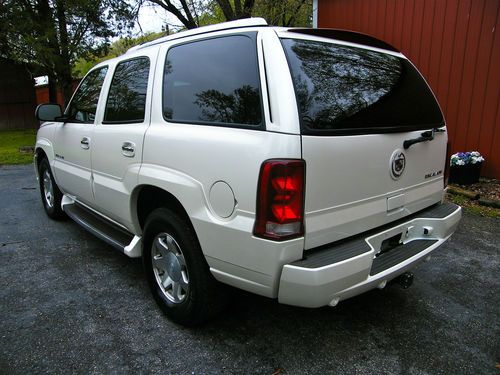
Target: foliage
195	13
288	13
83	64
10	141
186	11
54	33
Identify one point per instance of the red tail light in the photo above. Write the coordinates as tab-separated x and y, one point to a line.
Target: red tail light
447	165
280	200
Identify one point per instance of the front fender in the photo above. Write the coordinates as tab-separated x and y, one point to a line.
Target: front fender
44	143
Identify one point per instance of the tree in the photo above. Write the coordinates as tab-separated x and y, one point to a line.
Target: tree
53	33
189	12
195	13
285	13
235	9
186	11
84	63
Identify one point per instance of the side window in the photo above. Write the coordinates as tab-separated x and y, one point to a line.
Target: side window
84	103
213	81
127	93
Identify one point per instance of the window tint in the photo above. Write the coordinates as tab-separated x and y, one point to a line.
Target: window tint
127	93
352	90
84	103
213	81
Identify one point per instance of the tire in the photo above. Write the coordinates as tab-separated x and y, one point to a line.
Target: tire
50	193
177	272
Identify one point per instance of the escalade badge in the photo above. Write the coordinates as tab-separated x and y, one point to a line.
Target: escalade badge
398	163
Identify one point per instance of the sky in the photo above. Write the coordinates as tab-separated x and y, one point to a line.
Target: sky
152	18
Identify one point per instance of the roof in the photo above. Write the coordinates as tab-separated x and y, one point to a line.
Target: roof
342	35
247	22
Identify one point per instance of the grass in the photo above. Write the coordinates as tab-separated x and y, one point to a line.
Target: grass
11	140
473	207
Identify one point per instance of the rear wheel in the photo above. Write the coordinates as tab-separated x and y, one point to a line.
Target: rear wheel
50	193
177	272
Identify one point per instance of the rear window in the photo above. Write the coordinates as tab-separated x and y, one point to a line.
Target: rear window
349	90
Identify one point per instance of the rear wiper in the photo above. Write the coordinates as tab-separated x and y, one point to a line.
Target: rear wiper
425	136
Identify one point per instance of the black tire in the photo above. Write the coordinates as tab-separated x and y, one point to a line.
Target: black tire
52	205
171	239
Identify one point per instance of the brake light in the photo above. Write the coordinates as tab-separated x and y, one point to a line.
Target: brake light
280	200
447	165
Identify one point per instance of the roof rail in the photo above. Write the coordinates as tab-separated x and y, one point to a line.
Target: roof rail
246	22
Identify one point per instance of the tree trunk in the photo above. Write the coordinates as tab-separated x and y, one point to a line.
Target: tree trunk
52	88
227	9
63	68
187	20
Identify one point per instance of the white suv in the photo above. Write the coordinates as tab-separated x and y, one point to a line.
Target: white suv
305	165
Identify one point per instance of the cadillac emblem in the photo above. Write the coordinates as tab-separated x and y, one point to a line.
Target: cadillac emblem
398	163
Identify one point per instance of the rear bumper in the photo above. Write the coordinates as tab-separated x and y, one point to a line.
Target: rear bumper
346	269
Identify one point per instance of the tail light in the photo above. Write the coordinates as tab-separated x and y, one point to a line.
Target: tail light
280	200
447	165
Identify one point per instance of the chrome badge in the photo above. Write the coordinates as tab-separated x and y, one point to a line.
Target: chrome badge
398	163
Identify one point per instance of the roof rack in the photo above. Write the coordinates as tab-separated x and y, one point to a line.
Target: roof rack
246	22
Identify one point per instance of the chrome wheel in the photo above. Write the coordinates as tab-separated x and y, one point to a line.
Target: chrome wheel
169	267
48	188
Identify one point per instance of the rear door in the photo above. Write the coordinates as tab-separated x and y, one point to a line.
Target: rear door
119	134
358	106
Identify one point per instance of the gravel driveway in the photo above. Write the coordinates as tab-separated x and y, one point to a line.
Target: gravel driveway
69	303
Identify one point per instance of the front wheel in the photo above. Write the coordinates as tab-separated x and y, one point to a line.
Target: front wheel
51	195
177	272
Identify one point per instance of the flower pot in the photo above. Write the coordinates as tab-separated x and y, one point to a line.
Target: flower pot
465	174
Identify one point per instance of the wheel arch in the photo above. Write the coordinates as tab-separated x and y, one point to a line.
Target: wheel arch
40	154
43	149
147	198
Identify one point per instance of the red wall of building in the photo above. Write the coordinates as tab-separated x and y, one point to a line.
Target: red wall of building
42	93
456	46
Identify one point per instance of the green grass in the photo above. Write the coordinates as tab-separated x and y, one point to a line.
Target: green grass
10	141
473	207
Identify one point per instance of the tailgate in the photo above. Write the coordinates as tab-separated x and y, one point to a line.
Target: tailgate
350	186
358	105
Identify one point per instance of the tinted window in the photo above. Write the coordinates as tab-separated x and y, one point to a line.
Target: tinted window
213	81
352	90
84	103
127	93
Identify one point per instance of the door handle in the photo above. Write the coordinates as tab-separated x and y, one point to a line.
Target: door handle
85	143
128	149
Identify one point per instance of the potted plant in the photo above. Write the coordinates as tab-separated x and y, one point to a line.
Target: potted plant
465	167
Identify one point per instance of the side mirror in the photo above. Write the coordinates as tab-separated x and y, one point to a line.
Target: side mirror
48	112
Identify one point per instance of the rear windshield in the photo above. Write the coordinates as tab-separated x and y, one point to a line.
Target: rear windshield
349	90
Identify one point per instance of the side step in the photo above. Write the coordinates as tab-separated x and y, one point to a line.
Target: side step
107	231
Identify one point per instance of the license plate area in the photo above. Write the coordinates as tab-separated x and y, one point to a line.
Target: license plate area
390	244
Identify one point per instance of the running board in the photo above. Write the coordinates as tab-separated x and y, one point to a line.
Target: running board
107	231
